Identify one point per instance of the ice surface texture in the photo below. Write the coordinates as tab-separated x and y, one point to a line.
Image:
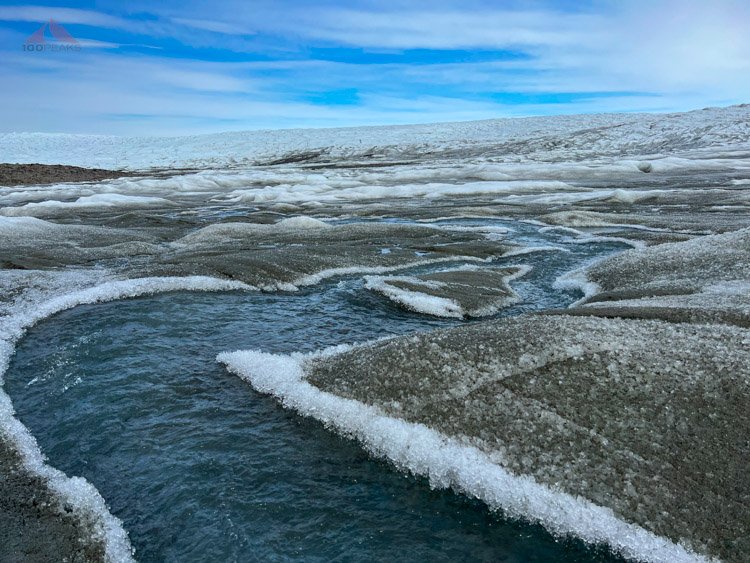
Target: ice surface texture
560	138
460	293
706	279
644	417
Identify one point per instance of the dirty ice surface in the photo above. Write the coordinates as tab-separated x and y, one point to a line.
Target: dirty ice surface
639	402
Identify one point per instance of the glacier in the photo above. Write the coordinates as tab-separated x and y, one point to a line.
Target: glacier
624	417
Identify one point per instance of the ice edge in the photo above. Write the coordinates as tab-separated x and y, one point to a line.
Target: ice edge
446	462
77	491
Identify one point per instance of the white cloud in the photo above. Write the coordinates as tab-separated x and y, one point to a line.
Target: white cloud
455	29
39	14
664	55
214	26
96	44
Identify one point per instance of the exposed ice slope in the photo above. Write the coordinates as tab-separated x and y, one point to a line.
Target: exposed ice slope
682	267
644	417
459	293
705	279
293	252
538	138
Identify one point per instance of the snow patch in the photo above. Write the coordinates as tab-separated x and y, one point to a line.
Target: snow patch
413	300
96	201
577	280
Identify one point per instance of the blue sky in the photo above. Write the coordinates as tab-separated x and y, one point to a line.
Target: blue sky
182	67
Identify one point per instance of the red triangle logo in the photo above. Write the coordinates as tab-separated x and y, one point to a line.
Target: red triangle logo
58	32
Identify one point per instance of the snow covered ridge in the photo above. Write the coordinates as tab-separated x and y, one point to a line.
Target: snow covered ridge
537	138
98	201
447	462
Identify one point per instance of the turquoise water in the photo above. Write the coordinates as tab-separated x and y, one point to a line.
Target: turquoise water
202	468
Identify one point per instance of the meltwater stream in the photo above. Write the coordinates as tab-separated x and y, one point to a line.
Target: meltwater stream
200	467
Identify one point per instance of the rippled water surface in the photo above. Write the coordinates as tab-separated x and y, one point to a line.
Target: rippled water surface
200	467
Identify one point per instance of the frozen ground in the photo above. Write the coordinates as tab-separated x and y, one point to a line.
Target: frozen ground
583	403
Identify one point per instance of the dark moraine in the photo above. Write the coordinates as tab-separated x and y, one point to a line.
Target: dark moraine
26	174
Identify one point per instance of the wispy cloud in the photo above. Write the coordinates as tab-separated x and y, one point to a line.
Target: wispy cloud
413	29
68	15
214	26
226	64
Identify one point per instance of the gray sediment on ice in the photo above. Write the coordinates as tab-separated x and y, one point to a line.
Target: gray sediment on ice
648	418
258	254
34	526
685	267
670	224
459	293
706	279
292	251
644	416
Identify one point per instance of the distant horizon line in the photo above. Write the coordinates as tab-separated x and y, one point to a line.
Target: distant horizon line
383	125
